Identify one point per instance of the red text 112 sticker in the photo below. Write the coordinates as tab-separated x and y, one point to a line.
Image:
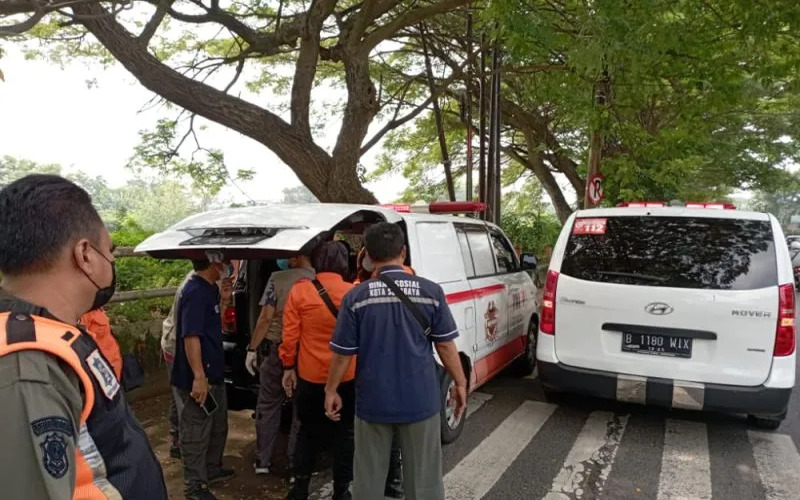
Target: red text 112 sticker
589	226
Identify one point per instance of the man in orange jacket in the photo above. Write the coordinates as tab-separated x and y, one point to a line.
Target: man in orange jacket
99	327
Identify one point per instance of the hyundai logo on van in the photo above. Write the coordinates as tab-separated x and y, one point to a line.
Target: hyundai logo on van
658	308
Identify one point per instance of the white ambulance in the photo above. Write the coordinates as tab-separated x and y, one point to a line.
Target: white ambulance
683	305
489	289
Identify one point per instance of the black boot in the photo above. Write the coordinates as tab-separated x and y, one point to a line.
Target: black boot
299	489
341	492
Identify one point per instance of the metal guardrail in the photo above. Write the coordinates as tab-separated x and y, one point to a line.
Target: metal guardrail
128	296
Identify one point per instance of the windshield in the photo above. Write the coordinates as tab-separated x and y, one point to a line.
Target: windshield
682	252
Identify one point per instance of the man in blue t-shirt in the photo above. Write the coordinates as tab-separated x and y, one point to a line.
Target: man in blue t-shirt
198	375
397	388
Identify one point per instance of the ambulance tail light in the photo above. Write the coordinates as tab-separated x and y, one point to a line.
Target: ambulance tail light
439	207
785	337
547	323
229	319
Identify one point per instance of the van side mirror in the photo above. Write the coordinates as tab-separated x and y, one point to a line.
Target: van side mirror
529	262
795	245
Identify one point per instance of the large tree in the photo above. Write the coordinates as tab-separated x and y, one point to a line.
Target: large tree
179	48
701	96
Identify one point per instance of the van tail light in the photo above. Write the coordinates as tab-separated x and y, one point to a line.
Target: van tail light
547	324
229	319
785	337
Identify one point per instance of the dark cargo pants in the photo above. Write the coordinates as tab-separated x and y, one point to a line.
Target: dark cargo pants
271	398
317	430
202	437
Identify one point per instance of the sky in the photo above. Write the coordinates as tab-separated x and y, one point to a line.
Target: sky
53	115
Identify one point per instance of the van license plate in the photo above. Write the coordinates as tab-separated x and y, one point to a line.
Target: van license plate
660	345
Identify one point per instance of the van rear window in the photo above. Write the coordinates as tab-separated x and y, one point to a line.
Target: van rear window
681	252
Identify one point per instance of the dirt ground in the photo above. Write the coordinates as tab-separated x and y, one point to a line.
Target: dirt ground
239	454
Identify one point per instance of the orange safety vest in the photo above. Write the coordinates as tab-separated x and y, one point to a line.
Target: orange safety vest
92	481
98	326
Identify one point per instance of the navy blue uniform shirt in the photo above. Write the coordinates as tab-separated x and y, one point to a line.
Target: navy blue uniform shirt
396	379
198	316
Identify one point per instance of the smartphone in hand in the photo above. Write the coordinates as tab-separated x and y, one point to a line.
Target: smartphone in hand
209	405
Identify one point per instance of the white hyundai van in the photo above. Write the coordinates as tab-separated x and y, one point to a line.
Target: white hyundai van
488	288
689	306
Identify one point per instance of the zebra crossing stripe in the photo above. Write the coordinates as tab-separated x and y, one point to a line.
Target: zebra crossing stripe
475	475
778	464
589	462
685	464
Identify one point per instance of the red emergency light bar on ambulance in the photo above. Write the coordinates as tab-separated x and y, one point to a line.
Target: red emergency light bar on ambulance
439	207
691	204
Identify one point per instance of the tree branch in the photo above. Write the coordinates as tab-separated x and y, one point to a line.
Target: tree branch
306	65
204	100
152	25
410	18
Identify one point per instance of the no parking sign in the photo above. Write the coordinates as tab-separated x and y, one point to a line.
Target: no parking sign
594	189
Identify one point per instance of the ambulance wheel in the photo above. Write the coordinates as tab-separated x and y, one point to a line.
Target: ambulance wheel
451	425
526	363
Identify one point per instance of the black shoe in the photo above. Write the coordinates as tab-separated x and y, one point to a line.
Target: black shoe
342	496
200	493
175	452
394	489
221	476
299	489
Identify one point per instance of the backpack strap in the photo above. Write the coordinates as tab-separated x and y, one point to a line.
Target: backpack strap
325	297
413	309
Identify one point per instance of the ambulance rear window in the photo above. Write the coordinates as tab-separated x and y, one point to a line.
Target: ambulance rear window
680	252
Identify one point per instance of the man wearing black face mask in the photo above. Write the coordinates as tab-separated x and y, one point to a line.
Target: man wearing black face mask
66	428
198	375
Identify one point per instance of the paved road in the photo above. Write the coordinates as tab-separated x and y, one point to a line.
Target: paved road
517	446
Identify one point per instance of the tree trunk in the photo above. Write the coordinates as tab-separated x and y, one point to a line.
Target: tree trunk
536	164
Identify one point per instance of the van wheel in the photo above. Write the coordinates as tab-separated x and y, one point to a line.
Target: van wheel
451	426
525	364
768	423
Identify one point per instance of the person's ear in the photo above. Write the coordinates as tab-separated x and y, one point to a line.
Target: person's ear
80	254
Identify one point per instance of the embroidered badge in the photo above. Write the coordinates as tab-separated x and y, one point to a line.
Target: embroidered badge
103	373
54	445
54	455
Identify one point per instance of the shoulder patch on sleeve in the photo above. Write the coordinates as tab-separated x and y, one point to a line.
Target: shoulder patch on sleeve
53	443
52	424
103	374
54	455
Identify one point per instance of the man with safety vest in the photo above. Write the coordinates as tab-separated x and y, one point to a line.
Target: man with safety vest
66	430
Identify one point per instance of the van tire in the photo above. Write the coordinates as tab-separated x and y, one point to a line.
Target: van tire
767	423
450	426
526	363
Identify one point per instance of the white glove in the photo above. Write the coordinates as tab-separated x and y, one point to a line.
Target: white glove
251	362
